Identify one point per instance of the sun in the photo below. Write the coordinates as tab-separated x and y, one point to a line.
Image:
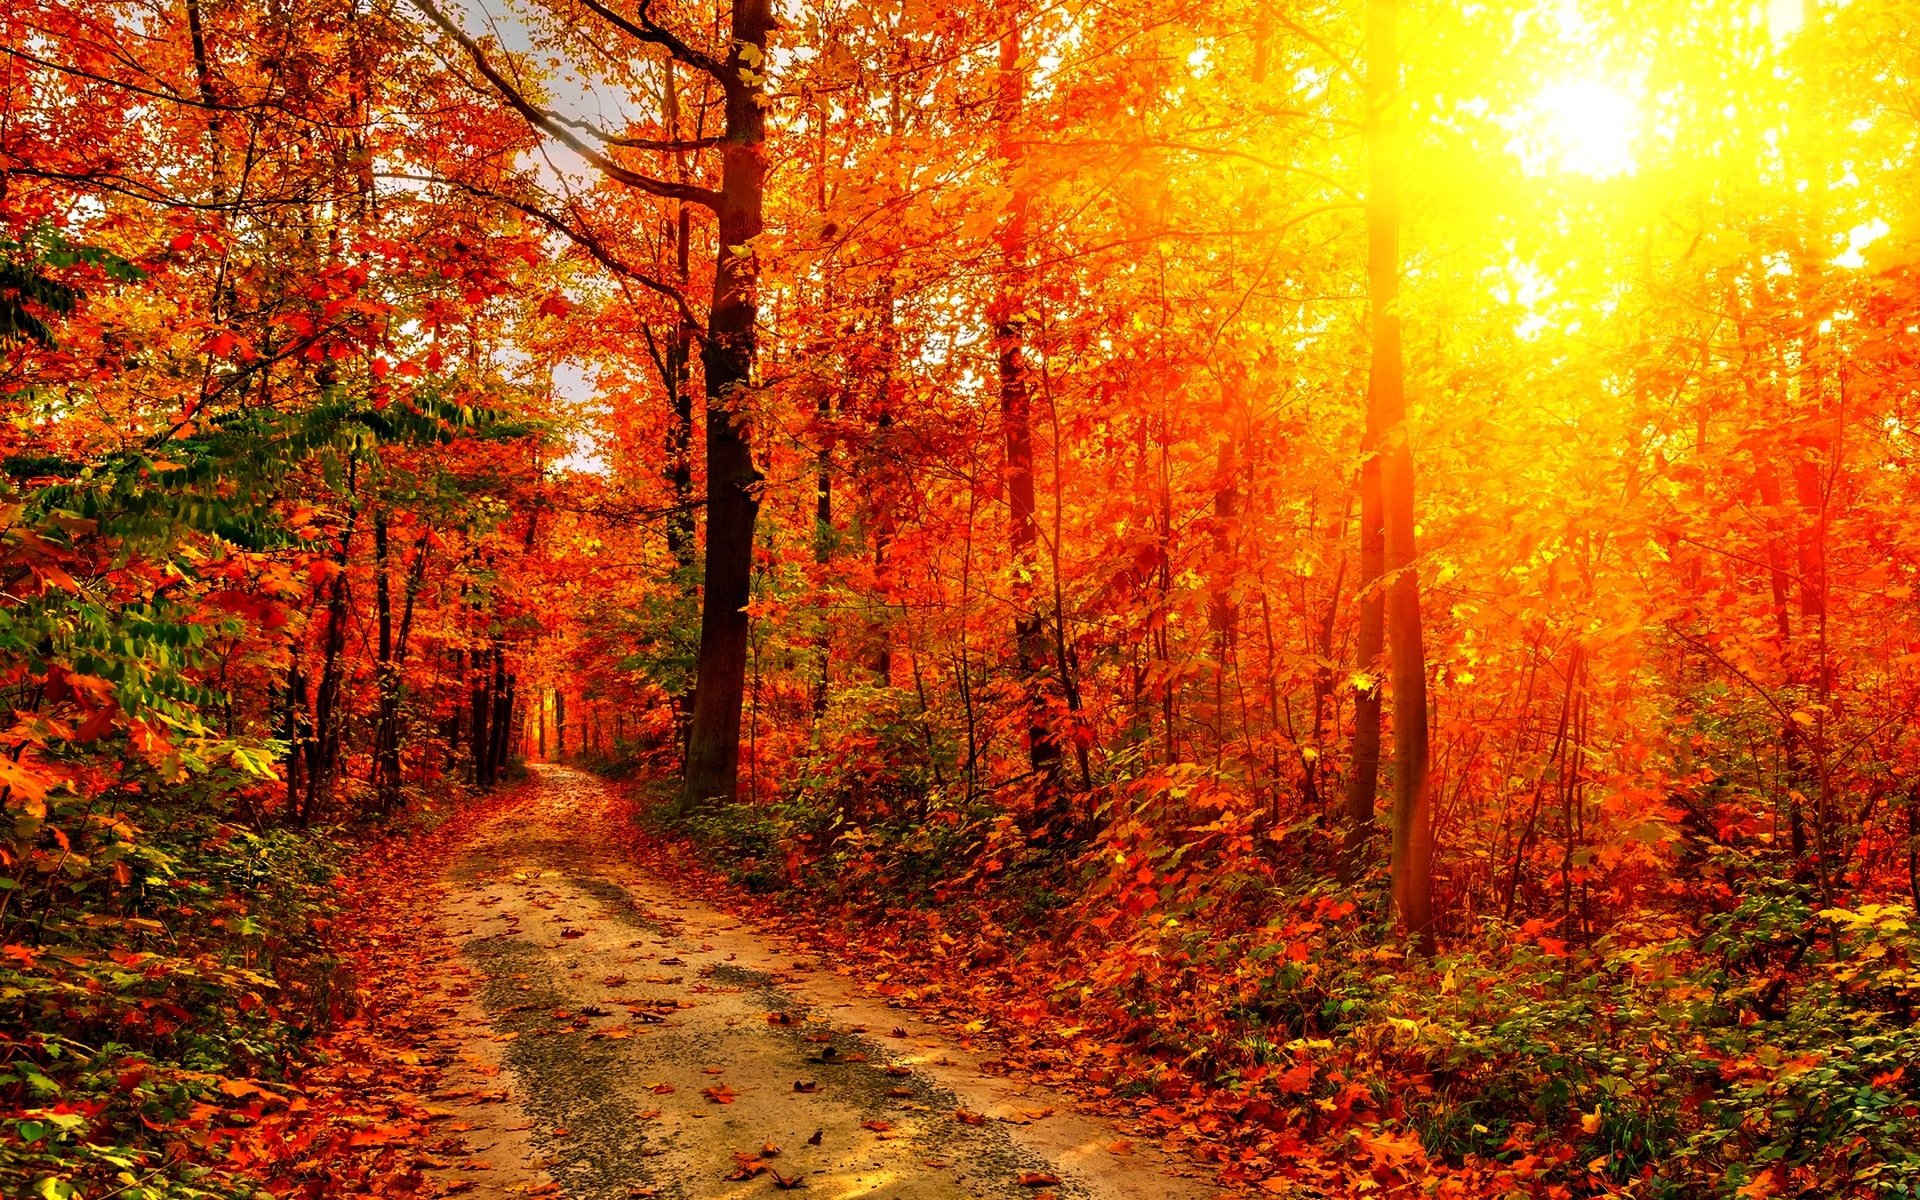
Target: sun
1578	126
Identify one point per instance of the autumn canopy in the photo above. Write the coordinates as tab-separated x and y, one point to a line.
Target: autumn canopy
1358	557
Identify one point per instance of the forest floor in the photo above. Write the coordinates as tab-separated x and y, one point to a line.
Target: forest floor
589	1032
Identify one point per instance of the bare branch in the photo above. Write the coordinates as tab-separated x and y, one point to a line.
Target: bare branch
664	145
644	28
543	120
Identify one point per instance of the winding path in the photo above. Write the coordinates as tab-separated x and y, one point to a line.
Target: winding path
610	1039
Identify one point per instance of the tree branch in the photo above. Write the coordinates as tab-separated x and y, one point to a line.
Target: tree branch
545	121
644	28
664	145
580	236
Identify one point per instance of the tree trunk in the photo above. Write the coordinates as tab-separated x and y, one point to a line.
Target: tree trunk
1016	413
392	661
1363	784
480	730
733	503
878	486
1412	861
299	730
323	748
823	544
450	728
503	688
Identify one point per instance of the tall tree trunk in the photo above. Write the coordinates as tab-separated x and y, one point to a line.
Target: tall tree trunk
878	489
1223	611
386	677
323	748
1412	862
299	730
823	545
450	727
823	539
392	662
733	503
1363	783
480	729
503	688
1008	318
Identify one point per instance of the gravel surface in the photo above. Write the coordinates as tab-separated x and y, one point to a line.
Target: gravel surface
618	1041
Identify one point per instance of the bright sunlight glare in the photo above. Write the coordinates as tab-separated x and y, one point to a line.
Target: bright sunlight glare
1785	18
1580	126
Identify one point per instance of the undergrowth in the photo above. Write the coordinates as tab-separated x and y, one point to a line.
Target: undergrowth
161	959
1765	1048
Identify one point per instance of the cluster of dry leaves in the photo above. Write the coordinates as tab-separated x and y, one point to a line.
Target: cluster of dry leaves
360	1121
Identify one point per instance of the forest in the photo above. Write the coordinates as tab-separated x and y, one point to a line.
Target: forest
1077	599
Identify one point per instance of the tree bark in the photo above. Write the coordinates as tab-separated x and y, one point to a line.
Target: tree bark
733	503
323	747
503	689
480	732
1016	412
386	675
1363	784
1412	861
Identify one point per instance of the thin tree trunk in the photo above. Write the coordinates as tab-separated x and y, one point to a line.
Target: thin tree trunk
503	688
878	485
1008	318
299	730
480	730
1363	783
450	728
324	745
386	681
1412	861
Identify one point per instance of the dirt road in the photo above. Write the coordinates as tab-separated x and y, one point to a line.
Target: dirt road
611	1040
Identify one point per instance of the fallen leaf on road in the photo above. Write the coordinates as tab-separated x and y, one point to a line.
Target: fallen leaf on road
746	1166
969	1118
1037	1179
719	1095
806	1086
